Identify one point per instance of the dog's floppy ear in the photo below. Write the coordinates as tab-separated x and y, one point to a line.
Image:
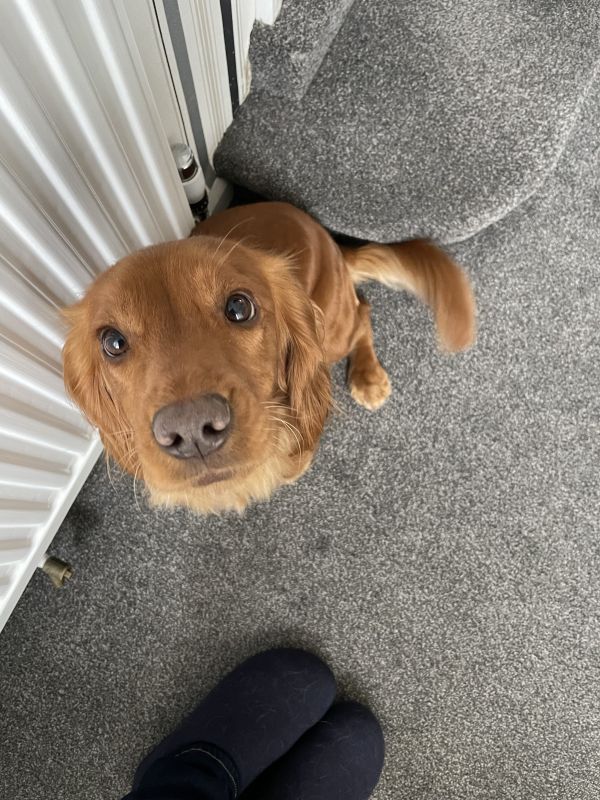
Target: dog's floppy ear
304	375
86	384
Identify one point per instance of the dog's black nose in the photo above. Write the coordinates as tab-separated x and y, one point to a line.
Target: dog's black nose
193	428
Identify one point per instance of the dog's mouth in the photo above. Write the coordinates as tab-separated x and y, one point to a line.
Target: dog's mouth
213	476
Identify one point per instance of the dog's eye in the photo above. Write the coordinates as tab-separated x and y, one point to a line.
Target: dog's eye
113	342
239	308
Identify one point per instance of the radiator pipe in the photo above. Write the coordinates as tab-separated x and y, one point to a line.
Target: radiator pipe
57	570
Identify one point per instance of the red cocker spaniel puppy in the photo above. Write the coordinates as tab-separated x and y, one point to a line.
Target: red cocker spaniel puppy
204	363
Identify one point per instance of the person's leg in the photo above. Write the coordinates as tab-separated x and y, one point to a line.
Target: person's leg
341	758
248	721
198	773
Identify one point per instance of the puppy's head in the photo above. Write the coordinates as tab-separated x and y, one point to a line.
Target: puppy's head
204	373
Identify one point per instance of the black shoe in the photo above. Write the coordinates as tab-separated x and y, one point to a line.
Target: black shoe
341	758
256	713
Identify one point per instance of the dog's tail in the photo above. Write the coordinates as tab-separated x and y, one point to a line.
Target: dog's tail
418	266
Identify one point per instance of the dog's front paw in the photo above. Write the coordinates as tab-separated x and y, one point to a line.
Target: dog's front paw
370	389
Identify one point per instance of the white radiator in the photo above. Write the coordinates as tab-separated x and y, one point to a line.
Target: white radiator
86	175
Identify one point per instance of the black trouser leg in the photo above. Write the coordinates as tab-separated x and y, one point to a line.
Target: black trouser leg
200	772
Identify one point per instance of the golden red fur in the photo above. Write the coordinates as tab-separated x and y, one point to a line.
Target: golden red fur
168	300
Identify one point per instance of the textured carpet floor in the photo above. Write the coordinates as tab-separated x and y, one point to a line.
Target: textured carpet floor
442	554
430	119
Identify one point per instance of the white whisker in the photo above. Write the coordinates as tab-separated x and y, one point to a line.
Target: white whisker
230	251
137	503
231	230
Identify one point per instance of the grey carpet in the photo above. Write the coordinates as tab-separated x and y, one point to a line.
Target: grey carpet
285	57
442	554
430	119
